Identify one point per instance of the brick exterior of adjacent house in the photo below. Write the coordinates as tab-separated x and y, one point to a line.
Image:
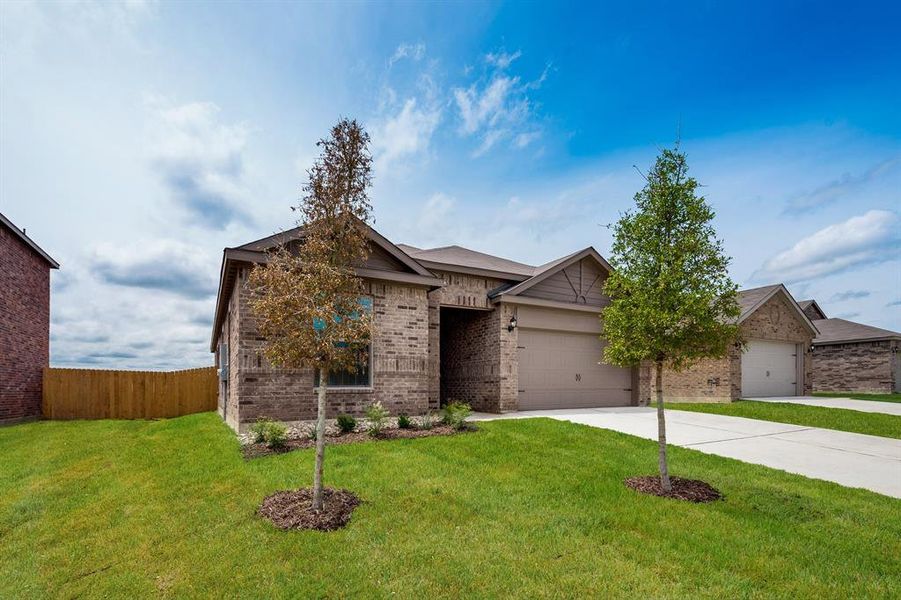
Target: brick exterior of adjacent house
24	327
399	363
719	380
869	367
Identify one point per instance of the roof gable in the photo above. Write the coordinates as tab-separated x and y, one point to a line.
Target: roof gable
20	234
548	270
812	309
750	300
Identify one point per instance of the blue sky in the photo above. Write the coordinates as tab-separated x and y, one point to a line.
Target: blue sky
139	139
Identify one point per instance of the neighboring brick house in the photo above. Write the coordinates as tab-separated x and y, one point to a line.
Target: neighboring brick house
448	324
853	357
24	322
774	362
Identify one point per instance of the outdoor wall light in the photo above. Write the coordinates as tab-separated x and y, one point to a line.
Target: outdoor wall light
512	324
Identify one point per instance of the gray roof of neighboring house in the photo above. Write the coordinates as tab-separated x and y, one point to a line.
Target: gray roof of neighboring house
20	233
838	331
464	257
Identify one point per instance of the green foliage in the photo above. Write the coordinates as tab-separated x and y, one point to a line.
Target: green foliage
427	421
269	432
346	423
377	415
671	296
403	421
455	414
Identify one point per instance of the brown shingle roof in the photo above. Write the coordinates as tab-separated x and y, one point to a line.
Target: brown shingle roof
464	257
837	331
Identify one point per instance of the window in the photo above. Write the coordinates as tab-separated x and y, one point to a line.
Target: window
362	377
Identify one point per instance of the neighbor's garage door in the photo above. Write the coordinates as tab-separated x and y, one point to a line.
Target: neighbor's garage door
559	369
769	369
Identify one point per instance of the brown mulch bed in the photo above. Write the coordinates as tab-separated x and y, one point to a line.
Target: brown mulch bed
257	450
692	490
293	509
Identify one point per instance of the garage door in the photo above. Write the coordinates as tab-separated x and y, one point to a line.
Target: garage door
560	370
769	369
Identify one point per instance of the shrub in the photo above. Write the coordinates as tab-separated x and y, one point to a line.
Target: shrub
377	415
269	432
346	423
455	414
427	421
403	421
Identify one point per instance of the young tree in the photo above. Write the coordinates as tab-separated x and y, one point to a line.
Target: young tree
308	298
672	301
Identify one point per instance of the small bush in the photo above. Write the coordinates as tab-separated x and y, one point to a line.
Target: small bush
346	423
269	432
427	421
377	415
403	421
455	415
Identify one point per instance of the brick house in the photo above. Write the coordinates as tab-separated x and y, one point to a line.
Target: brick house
455	324
24	322
448	324
853	357
775	362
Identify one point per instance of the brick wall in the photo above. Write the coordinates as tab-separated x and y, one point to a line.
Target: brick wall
860	367
719	380
24	327
399	362
468	291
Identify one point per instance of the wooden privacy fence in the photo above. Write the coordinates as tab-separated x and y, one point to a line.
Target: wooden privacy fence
95	394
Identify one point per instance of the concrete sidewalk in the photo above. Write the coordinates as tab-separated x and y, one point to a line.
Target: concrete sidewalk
850	459
870	406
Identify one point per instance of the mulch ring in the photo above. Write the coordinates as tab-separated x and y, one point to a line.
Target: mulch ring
293	509
258	450
692	490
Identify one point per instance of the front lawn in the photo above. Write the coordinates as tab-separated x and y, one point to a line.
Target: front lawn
799	414
522	508
876	397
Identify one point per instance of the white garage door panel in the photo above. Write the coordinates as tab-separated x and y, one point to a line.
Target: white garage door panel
561	370
769	369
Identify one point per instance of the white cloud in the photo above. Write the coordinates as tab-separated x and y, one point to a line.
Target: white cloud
501	59
498	108
434	215
862	240
201	161
405	133
414	52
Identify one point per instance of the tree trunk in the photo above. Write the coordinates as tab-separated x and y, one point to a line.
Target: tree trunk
320	441
661	431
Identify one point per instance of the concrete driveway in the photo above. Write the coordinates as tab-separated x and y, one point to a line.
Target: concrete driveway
870	406
850	459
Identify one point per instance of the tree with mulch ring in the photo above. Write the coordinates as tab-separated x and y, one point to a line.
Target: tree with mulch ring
692	490
312	307
293	509
672	302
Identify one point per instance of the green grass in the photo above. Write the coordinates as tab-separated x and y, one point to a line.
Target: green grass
522	508
799	414
876	397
